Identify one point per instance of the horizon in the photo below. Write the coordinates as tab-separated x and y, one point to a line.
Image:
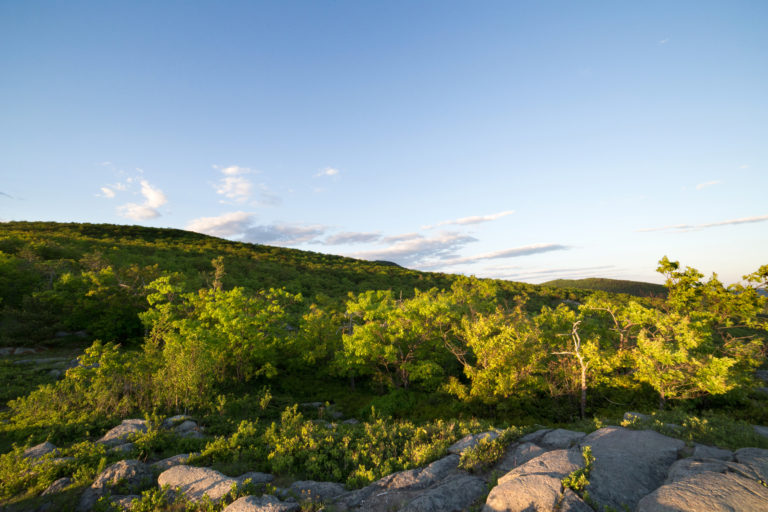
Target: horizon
527	142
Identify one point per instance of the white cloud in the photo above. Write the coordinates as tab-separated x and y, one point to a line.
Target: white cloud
707	184
420	250
236	188
233	170
228	224
284	234
476	219
137	211
328	171
745	166
691	227
154	198
515	252
664	41
240	225
107	192
351	238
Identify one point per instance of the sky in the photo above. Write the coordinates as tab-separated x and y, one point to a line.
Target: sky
520	140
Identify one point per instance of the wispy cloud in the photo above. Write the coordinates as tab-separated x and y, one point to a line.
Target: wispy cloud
328	171
745	166
234	185
707	184
664	41
561	273
351	238
514	252
242	226
7	195
154	198
226	225
476	219
107	192
284	234
420	250
691	227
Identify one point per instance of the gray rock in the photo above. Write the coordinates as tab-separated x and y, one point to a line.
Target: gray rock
534	437
471	441
119	434
763	431
57	486
197	482
454	494
560	439
535	485
315	491
176	460
762	375
311	404
420	478
169	423
192	434
630	416
685	468
701	451
40	450
756	459
628	464
572	503
186	426
713	492
122	448
55	373
350	421
265	503
124	475
392	491
519	454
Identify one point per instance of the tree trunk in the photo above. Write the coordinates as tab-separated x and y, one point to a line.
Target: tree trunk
583	390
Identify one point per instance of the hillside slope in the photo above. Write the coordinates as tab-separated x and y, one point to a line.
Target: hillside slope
68	277
637	288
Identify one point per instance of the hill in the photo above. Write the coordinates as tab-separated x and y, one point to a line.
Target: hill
70	277
636	288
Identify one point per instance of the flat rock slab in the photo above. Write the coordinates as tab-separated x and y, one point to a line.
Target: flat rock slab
58	486
176	460
711	492
518	454
536	485
686	468
197	482
534	437
392	491
628	464
471	441
756	459
560	439
119	434
701	451
265	503
40	450
455	494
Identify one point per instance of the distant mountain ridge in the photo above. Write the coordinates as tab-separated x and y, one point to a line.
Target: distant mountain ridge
637	288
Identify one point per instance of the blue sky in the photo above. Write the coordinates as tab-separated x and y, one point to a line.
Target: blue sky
522	140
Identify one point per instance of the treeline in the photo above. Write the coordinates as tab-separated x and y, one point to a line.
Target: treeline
469	341
66	278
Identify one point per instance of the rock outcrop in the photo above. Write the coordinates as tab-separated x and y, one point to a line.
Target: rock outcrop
639	471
